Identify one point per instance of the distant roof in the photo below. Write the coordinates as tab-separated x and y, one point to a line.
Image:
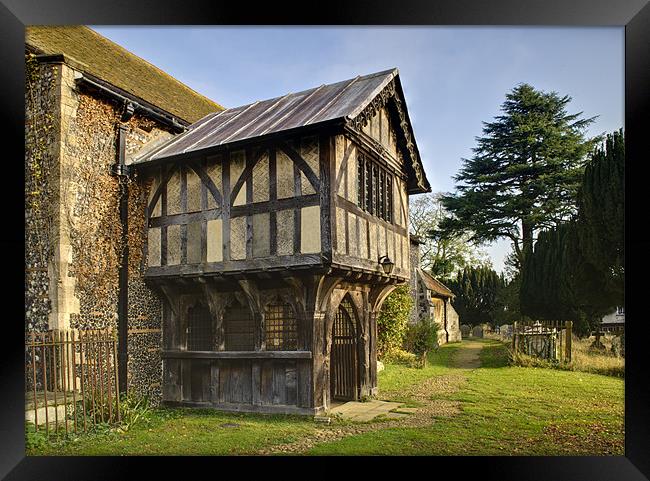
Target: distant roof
434	285
343	100
114	64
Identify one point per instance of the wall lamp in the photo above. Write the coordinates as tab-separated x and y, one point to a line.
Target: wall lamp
386	264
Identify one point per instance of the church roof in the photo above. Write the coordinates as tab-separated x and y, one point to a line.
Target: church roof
345	101
101	58
434	285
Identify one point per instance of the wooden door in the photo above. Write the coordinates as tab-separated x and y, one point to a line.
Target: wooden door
344	358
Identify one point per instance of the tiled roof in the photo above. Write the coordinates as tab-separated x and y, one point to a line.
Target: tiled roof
111	63
434	285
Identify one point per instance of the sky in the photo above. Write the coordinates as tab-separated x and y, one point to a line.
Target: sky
454	78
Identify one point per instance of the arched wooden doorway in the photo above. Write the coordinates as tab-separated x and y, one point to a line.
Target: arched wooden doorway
344	365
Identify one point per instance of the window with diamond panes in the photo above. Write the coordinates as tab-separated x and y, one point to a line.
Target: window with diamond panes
200	334
239	329
280	327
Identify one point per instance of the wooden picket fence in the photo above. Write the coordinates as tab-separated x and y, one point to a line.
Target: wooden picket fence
71	380
549	340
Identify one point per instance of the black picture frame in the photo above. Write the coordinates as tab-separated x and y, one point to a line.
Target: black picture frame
634	15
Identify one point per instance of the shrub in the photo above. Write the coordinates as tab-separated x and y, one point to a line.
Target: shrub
422	337
392	320
400	356
133	410
34	439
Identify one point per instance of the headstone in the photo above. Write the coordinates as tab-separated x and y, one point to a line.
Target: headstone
464	330
505	331
477	331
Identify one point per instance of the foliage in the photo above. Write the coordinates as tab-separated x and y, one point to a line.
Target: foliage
393	319
507	306
525	172
422	337
402	357
443	254
34	439
134	409
476	291
601	219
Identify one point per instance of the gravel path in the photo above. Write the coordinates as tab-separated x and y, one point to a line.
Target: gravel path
426	393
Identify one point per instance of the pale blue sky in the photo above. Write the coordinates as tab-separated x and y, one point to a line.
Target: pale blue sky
454	78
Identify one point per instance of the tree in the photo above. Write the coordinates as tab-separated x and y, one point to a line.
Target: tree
559	283
525	171
476	291
443	254
601	218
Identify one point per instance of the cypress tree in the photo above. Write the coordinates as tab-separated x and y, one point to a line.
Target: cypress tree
602	215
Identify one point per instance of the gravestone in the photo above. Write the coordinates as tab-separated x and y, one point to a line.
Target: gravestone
505	331
464	330
477	331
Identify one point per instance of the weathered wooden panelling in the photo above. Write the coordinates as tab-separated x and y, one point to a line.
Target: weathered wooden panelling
171	380
235	382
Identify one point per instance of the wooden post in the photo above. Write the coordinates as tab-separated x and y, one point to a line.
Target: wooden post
514	339
569	329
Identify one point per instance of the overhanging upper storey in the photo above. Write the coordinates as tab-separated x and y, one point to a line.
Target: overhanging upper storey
349	104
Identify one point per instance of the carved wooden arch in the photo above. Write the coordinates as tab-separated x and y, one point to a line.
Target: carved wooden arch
378	295
199	171
357	307
335	298
324	290
286	295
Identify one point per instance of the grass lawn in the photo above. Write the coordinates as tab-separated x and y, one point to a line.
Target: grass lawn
498	409
507	410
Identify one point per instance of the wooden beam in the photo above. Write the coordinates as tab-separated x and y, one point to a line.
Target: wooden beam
275	205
